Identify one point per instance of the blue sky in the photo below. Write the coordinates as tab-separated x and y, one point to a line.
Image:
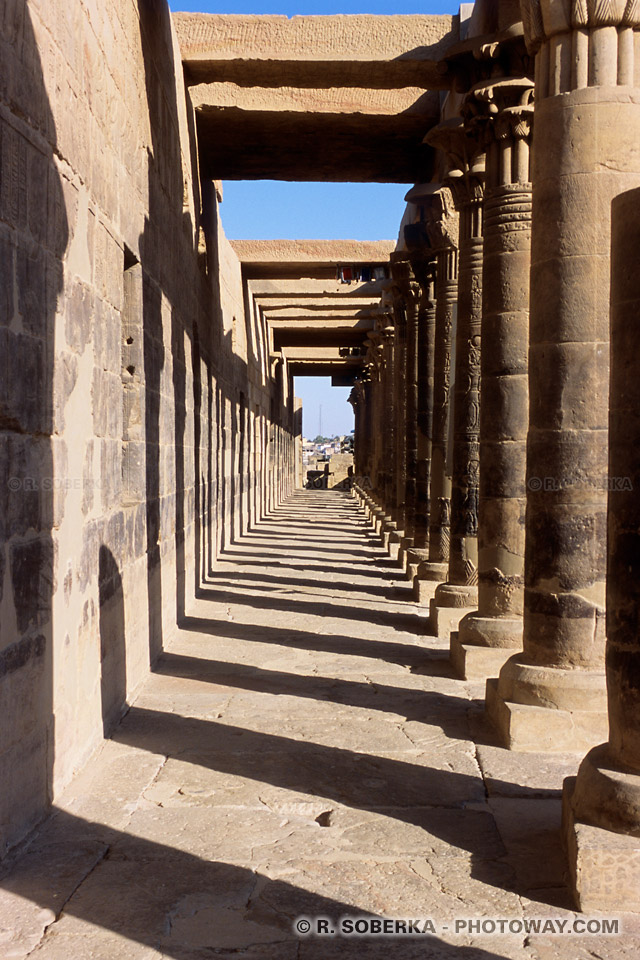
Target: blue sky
361	211
319	211
336	413
320	7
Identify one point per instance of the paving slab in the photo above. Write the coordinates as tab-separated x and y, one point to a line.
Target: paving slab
302	750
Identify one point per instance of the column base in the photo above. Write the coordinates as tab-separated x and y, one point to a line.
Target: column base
457	595
405	545
607	794
393	542
423	591
535	729
482	645
415	556
443	620
383	523
376	516
388	528
473	662
437	572
503	632
604	866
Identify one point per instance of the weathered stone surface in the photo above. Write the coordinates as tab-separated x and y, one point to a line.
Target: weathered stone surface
322	252
301	743
206	39
565	568
602	805
271	769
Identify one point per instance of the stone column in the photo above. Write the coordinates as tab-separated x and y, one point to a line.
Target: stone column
442	227
460	593
410	304
488	636
397	536
423	266
368	423
585	152
379	416
367	463
387	425
356	401
602	806
373	363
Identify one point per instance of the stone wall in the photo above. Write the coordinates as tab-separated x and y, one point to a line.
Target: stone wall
126	370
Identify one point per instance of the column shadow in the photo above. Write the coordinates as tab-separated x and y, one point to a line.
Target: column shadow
113	650
181	905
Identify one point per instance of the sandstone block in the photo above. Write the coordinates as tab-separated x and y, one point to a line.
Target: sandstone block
471	662
533	729
604	867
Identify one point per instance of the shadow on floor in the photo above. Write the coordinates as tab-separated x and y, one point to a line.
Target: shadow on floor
446	804
178	904
404	654
275	582
401	621
450	713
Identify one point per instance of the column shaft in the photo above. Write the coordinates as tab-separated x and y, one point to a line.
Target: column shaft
389	432
461	590
585	151
440	488
425	380
399	402
411	301
486	636
605	797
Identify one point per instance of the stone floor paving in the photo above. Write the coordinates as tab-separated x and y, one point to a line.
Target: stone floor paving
303	750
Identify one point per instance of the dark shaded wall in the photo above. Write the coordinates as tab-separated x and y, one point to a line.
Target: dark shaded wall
126	375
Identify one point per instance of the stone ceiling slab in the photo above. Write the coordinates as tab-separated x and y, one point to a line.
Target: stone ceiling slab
400	41
313	259
312	288
338	98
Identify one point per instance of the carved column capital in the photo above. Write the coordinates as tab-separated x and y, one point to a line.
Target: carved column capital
405	291
365	374
386	329
581	43
442	221
462	144
486	57
506	108
543	19
423	259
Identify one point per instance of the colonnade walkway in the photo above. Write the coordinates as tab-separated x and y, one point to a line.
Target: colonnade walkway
302	750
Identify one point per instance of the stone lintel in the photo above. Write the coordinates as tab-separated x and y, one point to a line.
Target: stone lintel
311	288
393	46
213	98
313	353
325	368
332	306
330	325
310	254
297	315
